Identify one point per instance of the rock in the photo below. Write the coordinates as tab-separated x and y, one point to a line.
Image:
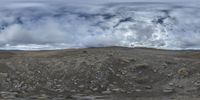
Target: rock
110	54
59	90
75	83
171	84
8	95
192	89
123	72
128	92
141	66
169	75
142	80
114	82
116	90
197	84
118	75
125	61
183	72
81	86
73	91
148	87
39	97
131	59
138	90
4	68
84	51
179	86
106	92
94	89
80	97
43	96
3	74
168	90
155	71
87	91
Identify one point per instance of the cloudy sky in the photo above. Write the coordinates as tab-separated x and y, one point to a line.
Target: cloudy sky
57	24
97	1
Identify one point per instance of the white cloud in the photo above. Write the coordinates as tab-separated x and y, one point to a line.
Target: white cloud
46	24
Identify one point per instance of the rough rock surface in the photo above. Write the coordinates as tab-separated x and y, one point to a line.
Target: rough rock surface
111	73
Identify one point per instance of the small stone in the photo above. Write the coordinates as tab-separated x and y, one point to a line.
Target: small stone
48	84
59	90
123	72
87	91
118	75
198	74
114	82
184	72
116	89
73	91
4	74
81	97
133	77
131	59
169	75
94	89
122	90
141	66
148	87
106	92
155	70
110	69
110	54
142	80
40	97
125	61
171	84
8	95
128	92
17	72
138	90
44	96
179	86
164	66
192	89
197	84
168	90
81	86
85	51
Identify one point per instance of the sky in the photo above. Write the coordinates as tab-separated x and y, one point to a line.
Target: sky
97	1
57	24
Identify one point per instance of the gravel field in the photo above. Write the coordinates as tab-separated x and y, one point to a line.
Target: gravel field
111	73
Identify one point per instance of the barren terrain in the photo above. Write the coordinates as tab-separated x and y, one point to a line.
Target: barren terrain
112	73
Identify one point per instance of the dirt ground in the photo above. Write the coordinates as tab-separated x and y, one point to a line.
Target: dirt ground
111	73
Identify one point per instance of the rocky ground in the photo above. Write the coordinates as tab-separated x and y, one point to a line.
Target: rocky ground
112	73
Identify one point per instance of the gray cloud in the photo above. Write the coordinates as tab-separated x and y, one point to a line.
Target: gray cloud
48	24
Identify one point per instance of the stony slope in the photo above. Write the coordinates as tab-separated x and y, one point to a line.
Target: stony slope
112	73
